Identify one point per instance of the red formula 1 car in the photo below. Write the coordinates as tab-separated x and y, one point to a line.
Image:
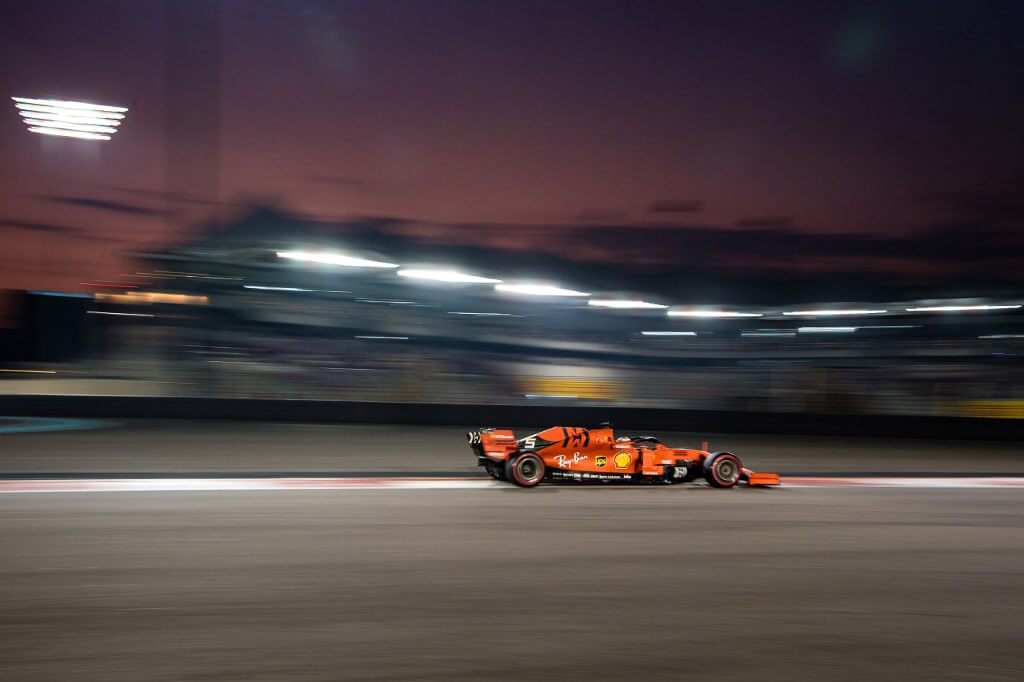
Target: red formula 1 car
580	454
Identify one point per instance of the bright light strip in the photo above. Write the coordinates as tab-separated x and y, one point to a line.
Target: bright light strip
334	259
549	395
1002	336
538	290
669	333
957	308
710	313
483	314
826	330
63	125
97	117
625	305
260	287
69	133
65	104
834	312
389	338
153	297
106	312
452	276
30	371
767	333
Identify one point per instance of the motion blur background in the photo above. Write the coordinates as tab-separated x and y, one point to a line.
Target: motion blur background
798	207
771	217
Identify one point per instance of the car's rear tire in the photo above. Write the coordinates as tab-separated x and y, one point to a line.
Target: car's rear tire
722	470
525	470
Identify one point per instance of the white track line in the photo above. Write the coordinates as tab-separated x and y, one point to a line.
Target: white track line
902	482
227	484
243	484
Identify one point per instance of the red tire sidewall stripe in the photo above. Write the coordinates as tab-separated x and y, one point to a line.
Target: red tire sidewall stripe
714	467
520	479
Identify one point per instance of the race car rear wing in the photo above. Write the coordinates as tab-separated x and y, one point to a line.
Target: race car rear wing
492	442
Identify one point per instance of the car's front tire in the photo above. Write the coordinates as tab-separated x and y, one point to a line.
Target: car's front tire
525	470
723	470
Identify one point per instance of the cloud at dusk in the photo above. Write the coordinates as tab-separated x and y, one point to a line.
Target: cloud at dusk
106	205
42	228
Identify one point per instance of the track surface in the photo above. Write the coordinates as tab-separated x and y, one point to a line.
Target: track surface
566	582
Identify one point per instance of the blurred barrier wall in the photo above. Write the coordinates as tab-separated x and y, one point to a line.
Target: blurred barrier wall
624	418
992	409
207	335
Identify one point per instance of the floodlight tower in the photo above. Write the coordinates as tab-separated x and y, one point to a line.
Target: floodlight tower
67	118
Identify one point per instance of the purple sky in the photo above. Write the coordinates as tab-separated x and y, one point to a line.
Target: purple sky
875	118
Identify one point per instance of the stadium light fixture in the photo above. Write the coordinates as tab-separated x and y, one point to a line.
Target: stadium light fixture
537	290
62	118
625	304
451	276
959	308
329	258
835	312
711	313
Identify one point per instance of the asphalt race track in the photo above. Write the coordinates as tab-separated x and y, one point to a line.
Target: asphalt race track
418	570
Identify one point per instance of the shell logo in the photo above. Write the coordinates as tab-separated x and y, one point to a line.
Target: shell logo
622	460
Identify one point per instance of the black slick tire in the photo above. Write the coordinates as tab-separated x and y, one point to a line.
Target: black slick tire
722	470
525	470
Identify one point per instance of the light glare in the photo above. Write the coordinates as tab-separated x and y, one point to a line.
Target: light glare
62	125
67	104
958	308
710	313
80	120
834	312
74	116
334	259
669	333
69	133
451	276
107	312
538	290
625	305
261	287
827	330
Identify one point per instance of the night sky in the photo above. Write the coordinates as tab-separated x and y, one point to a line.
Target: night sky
883	139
